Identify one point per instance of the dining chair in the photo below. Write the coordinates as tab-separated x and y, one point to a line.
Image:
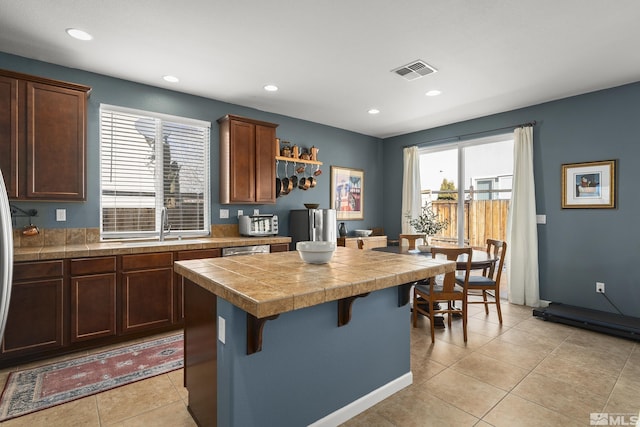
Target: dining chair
427	295
489	282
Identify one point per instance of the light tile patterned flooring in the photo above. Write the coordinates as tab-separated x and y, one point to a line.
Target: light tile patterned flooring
527	372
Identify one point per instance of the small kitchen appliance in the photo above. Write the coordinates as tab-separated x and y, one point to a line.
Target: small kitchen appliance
261	225
312	225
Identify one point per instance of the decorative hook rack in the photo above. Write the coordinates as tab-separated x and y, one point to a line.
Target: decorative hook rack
17	212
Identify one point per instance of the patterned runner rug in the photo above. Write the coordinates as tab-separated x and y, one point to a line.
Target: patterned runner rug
49	385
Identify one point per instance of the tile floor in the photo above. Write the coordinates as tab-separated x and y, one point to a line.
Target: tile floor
527	372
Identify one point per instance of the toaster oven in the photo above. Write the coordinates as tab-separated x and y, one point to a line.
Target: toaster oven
258	225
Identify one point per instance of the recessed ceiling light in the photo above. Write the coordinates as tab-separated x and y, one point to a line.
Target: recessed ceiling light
374	111
433	93
171	79
79	34
271	88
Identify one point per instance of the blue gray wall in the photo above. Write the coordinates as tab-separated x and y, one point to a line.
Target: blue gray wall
336	147
577	247
309	367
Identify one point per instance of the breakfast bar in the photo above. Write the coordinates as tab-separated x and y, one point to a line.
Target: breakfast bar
271	340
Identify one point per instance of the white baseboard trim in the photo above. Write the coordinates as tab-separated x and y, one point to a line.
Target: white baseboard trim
365	402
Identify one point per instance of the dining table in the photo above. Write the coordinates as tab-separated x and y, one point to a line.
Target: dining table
480	259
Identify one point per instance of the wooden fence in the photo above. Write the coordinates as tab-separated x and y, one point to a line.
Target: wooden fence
485	219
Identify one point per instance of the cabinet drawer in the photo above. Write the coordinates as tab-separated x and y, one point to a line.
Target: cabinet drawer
142	261
85	266
199	254
38	270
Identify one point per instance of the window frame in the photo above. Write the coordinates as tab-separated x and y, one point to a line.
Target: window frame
159	190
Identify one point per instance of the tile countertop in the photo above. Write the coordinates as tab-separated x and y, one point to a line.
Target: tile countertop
136	247
280	282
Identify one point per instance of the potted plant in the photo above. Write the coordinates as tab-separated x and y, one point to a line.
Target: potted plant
428	223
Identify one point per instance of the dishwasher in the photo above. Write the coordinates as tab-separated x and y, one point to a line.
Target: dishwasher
246	250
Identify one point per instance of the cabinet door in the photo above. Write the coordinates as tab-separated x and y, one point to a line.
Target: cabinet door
179	280
242	158
265	165
93	306
147	299
9	133
55	142
35	322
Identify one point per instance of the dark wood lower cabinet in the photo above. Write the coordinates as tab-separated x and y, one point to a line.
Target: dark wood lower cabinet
280	247
147	296
93	298
179	280
36	320
200	353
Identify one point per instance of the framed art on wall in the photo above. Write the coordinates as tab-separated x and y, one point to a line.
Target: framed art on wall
589	185
347	192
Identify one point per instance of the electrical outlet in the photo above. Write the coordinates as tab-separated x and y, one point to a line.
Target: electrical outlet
240	213
256	211
61	214
224	213
600	287
221	329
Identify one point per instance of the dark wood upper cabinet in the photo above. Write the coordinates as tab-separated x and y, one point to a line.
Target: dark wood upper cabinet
42	137
247	161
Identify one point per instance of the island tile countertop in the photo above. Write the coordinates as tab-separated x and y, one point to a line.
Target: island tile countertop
275	283
134	247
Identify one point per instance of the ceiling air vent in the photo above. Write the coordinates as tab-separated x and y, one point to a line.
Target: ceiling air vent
415	70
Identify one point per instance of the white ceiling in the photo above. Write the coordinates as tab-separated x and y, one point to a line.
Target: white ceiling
332	59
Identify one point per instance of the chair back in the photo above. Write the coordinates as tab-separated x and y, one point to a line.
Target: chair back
453	254
496	249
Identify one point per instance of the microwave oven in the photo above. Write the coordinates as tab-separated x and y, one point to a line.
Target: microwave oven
258	225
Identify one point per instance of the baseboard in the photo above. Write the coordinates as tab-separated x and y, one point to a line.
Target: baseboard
365	402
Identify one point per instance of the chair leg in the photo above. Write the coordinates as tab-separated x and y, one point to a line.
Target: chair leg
414	314
497	297
464	319
432	319
450	314
486	304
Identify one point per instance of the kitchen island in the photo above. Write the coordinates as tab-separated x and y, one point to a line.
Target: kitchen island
270	340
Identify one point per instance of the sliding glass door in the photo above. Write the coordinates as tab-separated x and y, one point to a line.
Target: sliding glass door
469	184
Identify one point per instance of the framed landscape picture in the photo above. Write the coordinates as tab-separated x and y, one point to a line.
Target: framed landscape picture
589	185
347	192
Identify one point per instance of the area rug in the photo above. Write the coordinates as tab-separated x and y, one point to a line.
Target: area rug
45	386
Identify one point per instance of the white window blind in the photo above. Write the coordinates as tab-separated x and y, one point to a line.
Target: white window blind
150	161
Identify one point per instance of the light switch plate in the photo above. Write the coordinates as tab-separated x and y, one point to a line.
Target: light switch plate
256	211
61	214
221	329
541	219
224	213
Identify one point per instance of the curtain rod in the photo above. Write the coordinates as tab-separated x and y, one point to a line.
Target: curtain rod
458	137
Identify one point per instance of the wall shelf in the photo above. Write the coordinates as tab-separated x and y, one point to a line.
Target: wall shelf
292	160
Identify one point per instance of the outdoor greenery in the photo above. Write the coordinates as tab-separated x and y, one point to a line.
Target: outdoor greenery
447	186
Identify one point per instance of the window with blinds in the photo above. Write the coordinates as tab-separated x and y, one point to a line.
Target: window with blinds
148	162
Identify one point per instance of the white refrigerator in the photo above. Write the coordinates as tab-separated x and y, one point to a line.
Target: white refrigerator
6	255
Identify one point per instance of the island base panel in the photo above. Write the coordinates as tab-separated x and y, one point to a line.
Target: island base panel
200	350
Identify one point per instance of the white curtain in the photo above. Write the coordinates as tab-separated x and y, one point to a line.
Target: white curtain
411	188
522	236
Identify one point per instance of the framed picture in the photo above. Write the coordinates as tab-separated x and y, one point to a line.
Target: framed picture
589	185
347	192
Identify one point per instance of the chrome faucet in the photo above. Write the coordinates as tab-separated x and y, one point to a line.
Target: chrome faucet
163	223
